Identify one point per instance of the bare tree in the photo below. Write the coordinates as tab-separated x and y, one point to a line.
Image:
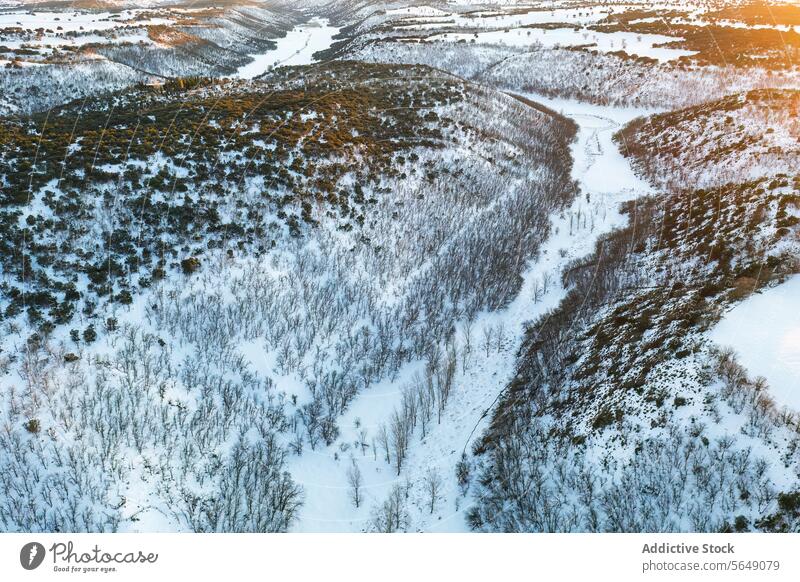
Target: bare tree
384	442
400	433
444	380
425	403
500	336
466	343
391	516
487	335
410	408
462	474
354	480
432	482
311	415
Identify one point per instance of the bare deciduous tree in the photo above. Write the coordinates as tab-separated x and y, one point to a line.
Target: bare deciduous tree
432	483
354	480
392	515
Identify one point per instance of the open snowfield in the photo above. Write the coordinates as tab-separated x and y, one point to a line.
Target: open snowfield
764	329
641	45
75	22
522	30
44	30
296	48
493	19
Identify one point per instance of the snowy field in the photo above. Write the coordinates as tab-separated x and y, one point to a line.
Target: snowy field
508	26
641	45
764	330
54	41
431	18
50	30
296	48
537	28
76	22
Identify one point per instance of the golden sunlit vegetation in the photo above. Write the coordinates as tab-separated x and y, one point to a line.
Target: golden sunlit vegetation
170	36
760	13
714	43
758	130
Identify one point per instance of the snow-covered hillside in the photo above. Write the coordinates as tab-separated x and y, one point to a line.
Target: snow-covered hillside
60	53
301	288
621	386
742	137
348	265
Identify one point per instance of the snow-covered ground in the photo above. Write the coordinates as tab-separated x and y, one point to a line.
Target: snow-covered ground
48	30
417	11
606	180
53	41
77	22
495	19
641	45
296	48
764	329
514	29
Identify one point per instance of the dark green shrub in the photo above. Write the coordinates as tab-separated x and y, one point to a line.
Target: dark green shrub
190	265
89	334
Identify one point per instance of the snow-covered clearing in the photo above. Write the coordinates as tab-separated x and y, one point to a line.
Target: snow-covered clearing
516	29
416	11
296	48
76	22
641	45
606	180
764	329
500	19
55	41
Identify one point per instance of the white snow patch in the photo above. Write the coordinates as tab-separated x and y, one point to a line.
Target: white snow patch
642	45
76	22
296	48
764	329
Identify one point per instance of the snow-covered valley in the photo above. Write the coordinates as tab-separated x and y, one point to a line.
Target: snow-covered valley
605	180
